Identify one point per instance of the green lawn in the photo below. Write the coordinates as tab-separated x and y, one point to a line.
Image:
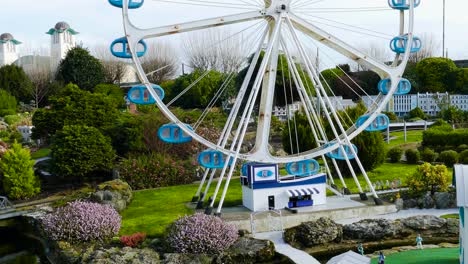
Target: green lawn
41	153
152	210
447	216
412	137
426	256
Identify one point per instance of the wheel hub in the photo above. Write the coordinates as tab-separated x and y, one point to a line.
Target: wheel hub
279	6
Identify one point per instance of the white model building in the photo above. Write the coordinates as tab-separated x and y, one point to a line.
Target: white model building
8	49
62	40
263	189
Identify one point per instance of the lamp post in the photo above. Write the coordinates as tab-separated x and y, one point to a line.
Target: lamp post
443	31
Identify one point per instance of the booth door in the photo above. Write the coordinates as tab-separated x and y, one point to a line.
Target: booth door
271	202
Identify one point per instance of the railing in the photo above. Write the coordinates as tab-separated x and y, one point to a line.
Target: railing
5	203
274	220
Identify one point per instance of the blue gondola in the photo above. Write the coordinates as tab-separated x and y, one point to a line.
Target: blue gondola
140	94
338	154
212	159
398	44
380	123
245	166
303	168
402	4
132	4
172	133
123	50
404	87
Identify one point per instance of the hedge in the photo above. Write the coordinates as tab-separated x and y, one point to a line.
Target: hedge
436	137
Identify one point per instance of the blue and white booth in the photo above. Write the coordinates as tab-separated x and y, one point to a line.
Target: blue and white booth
263	188
461	174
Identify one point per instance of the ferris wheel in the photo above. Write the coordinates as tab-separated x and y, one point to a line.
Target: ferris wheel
280	32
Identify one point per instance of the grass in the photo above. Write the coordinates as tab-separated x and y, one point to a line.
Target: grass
399	137
426	256
41	153
152	210
447	216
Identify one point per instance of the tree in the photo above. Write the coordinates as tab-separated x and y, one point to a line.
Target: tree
74	106
111	91
19	181
42	86
80	68
114	68
79	150
437	75
16	82
8	104
453	115
160	63
429	178
417	113
300	130
429	47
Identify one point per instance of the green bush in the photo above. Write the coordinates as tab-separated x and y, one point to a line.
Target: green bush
412	156
19	181
12	119
463	157
443	137
80	150
428	155
449	157
417	113
429	178
156	170
8	104
462	147
395	154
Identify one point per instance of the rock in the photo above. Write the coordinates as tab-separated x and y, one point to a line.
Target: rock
248	250
374	230
444	200
426	202
448	245
124	255
453	226
243	232
399	203
312	233
410	203
178	258
116	193
424	222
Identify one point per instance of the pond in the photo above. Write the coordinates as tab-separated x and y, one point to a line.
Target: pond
15	248
426	256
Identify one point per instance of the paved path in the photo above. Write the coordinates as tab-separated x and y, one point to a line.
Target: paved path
403	214
296	255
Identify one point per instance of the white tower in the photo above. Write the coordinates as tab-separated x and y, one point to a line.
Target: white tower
62	40
8	51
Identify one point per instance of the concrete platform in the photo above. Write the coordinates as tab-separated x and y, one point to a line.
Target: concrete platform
337	208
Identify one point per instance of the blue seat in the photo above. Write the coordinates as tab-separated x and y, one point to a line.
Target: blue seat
140	94
339	155
303	168
172	133
132	4
402	4
404	87
398	44
380	123
124	51
212	159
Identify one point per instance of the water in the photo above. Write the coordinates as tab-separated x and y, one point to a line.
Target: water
16	248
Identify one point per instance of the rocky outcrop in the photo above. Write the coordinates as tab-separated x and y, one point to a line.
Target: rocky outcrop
440	200
178	258
321	231
374	230
444	200
124	255
426	202
248	250
116	193
424	222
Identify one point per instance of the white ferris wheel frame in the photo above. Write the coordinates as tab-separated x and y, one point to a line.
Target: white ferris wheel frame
280	17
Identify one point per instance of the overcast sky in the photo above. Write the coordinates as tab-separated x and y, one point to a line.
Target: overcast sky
99	23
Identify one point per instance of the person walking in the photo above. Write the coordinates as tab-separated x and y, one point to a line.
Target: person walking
360	249
381	258
419	241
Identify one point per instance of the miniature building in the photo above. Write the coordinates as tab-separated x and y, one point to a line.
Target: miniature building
62	40
263	189
26	132
461	174
8	51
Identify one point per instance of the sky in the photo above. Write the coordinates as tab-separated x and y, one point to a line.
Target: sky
99	23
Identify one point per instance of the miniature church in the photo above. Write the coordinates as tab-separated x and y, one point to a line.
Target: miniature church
62	40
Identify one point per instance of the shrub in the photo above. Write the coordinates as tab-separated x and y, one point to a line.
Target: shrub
449	157
82	222
80	150
12	119
462	147
395	154
429	178
201	233
417	113
463	157
412	156
8	103
19	181
133	240
428	155
445	137
156	170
